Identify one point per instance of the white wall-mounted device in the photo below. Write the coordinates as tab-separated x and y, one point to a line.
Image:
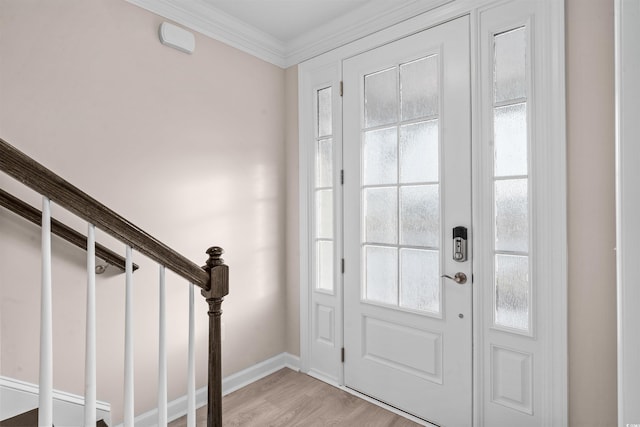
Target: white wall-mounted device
176	37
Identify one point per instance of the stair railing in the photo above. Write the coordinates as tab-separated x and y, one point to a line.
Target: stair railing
213	279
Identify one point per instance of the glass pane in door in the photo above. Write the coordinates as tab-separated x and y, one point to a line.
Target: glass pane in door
420	215
419	155
419	88
381	215
380	160
381	98
381	266
419	281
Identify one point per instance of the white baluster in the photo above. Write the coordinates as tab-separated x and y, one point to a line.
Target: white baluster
128	343
90	349
191	369
162	351
45	400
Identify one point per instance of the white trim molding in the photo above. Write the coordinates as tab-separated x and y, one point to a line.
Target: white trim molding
627	98
368	19
210	21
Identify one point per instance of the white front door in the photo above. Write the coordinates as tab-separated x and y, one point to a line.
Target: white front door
407	185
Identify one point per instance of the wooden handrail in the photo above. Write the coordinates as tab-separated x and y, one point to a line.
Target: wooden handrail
33	215
35	176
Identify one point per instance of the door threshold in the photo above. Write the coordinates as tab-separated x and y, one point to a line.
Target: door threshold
371	400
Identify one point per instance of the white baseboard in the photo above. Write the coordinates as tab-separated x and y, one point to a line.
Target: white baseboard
254	373
178	407
17	397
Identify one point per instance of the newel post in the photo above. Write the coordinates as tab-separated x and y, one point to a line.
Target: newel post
218	289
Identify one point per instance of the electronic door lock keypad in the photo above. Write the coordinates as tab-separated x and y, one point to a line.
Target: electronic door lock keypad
460	244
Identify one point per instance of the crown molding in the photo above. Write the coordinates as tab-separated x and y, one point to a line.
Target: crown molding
216	24
367	19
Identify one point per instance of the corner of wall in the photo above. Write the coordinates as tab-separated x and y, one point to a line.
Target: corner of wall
292	213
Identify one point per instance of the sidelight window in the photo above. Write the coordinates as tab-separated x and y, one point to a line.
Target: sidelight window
512	278
324	226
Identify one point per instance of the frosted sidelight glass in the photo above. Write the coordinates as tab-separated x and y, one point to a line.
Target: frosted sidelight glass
324	265
510	139
420	216
381	272
324	214
380	215
380	98
324	112
380	157
324	163
420	279
512	291
419	88
512	215
419	152
510	65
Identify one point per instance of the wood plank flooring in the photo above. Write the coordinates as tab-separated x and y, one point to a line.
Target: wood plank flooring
288	398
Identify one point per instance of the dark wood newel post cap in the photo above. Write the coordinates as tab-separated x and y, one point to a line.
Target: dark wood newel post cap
218	274
215	256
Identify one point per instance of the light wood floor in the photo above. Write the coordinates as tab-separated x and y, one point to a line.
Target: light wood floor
288	398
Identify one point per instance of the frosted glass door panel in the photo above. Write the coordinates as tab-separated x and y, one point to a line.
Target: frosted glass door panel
420	216
419	88
380	156
381	98
419	152
381	267
510	137
510	65
381	215
512	215
420	279
512	291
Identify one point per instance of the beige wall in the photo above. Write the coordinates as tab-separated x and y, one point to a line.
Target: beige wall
189	147
591	213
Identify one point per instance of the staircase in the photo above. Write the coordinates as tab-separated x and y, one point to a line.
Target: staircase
212	279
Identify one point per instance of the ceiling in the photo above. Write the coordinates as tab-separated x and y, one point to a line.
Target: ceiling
287	32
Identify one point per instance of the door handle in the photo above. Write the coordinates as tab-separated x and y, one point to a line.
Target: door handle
460	278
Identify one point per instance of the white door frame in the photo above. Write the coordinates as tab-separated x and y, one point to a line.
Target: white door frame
552	180
627	32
